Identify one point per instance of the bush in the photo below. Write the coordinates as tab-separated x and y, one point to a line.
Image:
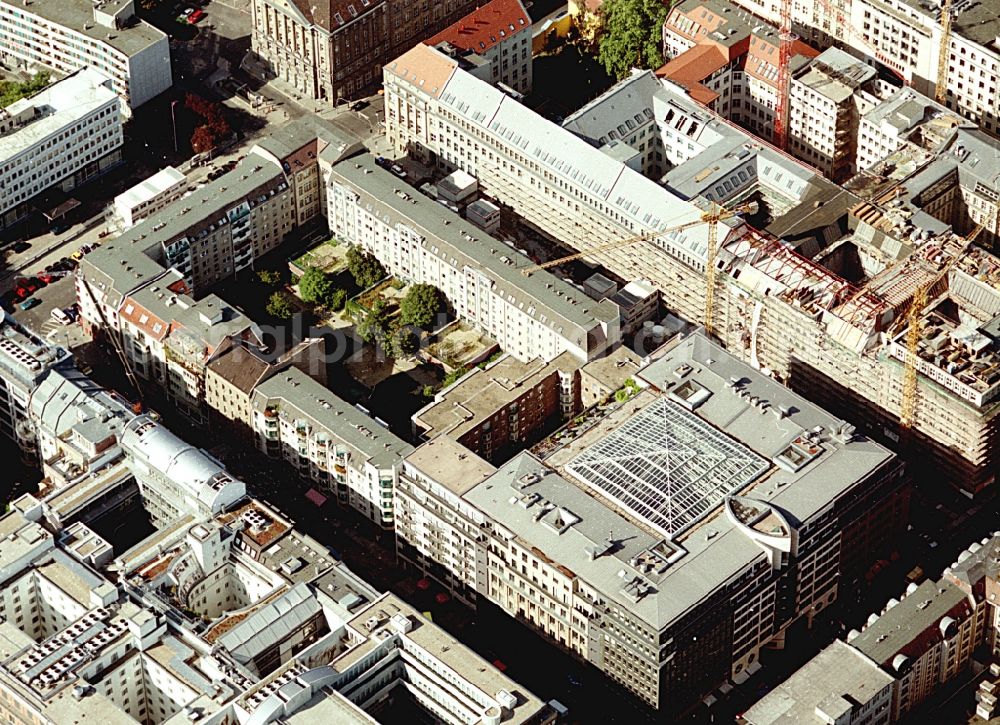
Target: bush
337	300
11	91
453	376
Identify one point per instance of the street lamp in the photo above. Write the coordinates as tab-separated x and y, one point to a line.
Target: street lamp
173	120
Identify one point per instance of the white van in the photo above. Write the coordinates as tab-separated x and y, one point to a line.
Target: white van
61	317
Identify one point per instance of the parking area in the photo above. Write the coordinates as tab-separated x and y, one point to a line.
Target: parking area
59	294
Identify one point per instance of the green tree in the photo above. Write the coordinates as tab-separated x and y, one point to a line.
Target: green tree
404	341
420	305
280	306
315	287
428	391
269	276
632	35
364	267
337	299
375	328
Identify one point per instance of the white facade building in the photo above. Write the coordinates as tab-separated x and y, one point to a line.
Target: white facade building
25	359
538	315
330	442
63	135
149	196
174	477
66	35
826	100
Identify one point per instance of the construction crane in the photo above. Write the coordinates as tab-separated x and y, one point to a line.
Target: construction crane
941	87
915	333
785	40
712	217
116	343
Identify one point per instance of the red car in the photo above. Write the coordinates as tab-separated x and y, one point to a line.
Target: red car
196	16
46	277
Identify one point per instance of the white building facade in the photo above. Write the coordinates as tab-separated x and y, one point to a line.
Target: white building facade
149	196
62	136
66	35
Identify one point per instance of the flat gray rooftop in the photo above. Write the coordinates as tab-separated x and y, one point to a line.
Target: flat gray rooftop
541	503
79	16
476	249
837	672
905	623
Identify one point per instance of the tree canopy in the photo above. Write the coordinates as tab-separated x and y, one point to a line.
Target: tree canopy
420	305
280	306
315	287
631	35
11	91
376	327
364	267
269	276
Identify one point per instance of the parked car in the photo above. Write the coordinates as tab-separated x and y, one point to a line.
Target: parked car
196	16
29	303
46	277
398	171
21	246
59	228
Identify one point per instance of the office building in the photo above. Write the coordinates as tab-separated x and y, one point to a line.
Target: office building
106	36
727	59
61	137
668	536
148	197
78	427
329	50
225	613
174	477
500	32
344	452
906	119
510	405
536	315
830	289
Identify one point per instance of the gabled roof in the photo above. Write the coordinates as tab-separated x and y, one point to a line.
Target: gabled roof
485	26
693	66
271	624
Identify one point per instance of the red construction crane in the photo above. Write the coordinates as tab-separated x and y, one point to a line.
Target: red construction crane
785	41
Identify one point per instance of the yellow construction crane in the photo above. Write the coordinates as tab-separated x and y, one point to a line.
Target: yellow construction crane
915	333
712	217
941	88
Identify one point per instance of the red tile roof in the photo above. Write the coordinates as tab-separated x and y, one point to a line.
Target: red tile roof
693	66
144	319
485	26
